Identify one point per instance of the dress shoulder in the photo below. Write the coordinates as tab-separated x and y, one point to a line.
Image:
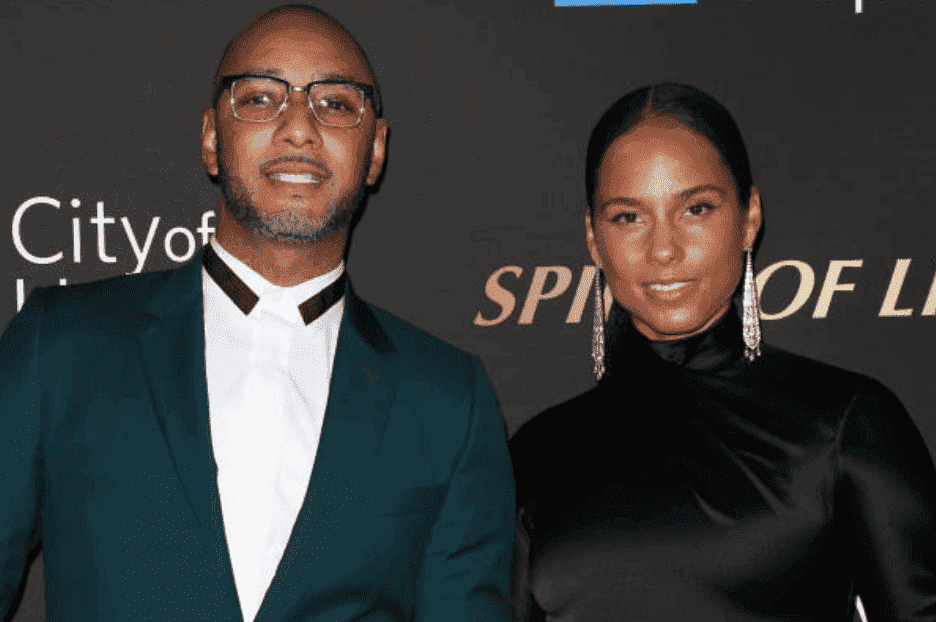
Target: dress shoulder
555	439
809	380
888	490
554	425
879	431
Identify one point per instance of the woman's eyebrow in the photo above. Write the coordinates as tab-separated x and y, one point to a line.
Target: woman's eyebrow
620	201
702	188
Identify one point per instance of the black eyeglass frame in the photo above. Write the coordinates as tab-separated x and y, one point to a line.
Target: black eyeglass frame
367	89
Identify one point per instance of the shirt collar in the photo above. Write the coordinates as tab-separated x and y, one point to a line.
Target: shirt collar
283	301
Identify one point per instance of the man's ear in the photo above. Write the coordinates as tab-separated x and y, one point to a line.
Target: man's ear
378	152
209	142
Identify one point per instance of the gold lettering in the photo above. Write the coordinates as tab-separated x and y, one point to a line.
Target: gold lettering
832	285
807	280
929	307
581	295
893	291
536	293
500	295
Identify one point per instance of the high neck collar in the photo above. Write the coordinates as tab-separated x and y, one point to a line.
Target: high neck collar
711	350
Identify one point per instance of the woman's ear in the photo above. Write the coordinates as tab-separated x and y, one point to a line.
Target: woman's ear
753	219
590	238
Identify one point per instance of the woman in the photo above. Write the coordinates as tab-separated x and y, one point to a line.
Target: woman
708	477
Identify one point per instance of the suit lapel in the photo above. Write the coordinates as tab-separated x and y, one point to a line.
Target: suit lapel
362	388
173	346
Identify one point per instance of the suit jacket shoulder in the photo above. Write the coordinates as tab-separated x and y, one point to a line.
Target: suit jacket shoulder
438	362
117	309
110	306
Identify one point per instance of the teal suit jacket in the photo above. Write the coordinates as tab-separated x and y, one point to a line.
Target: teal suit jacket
107	463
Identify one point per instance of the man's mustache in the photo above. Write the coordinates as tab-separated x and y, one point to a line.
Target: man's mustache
286	158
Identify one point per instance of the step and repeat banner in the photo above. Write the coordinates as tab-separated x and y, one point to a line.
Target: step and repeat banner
476	231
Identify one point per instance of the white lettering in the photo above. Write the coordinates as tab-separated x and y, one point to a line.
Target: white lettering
17	240
140	255
100	221
191	244
205	230
76	239
76	234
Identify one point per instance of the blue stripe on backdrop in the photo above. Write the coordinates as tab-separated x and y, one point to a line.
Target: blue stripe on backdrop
620	3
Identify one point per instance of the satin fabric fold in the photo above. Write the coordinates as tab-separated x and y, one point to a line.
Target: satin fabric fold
693	485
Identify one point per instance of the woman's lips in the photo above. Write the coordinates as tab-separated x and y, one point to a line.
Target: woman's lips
667	287
668	290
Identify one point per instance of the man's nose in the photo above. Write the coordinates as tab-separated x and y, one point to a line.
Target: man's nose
298	125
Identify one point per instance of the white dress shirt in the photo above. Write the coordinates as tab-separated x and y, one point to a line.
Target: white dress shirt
268	376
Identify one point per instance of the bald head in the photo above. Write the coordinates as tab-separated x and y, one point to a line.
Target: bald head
292	21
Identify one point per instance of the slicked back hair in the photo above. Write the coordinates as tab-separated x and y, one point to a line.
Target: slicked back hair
687	106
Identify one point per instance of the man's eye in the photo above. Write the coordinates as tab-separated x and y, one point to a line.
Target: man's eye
627	218
335	104
257	99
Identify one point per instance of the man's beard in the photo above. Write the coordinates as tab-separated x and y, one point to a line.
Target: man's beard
291	225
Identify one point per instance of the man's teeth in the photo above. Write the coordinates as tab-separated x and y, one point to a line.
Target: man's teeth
296	178
668	288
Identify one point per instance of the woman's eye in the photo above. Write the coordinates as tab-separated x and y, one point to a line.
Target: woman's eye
699	209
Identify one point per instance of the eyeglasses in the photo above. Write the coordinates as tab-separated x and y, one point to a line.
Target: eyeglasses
337	103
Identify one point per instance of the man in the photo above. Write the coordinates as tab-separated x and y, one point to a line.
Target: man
244	438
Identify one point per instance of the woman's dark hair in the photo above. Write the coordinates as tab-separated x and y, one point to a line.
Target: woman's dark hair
692	108
684	104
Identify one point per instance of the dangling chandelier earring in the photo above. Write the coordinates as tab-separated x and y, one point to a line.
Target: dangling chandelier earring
598	327
751	314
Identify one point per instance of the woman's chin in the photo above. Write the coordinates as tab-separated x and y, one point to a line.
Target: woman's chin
671	326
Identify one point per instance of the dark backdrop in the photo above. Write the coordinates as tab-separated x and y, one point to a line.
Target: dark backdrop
490	104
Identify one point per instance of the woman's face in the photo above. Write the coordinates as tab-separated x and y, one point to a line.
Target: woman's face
668	230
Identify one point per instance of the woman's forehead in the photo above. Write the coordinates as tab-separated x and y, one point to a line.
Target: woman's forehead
661	154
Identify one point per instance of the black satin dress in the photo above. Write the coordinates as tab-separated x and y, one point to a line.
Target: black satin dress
692	485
